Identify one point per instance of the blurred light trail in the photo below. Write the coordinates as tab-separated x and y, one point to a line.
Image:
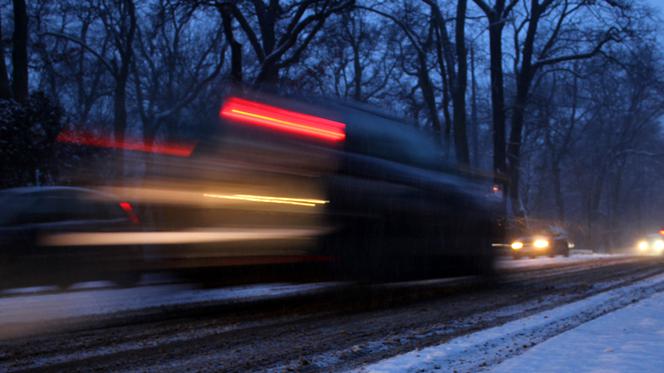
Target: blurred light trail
175	237
86	138
250	112
269	199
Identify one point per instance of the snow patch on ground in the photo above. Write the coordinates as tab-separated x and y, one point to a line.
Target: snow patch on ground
627	340
484	349
508	263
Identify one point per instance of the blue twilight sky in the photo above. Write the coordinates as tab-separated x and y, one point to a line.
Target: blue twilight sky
658	5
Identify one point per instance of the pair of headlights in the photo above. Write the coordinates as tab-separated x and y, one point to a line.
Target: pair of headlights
539	243
657	245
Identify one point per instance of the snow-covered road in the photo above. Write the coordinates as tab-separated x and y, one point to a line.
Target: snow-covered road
348	327
31	310
41	307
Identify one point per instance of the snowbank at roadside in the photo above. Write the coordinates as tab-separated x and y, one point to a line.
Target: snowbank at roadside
627	340
490	347
508	262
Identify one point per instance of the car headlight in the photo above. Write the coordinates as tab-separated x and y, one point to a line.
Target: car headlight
541	243
643	245
517	245
659	245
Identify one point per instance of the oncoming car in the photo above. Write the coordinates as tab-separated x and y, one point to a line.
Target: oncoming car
537	245
653	244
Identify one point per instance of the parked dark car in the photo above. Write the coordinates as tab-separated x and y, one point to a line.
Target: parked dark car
43	236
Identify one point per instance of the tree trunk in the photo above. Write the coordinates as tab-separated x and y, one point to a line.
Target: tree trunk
20	52
497	99
446	92
5	90
357	77
120	94
473	112
236	47
524	77
428	93
459	97
269	75
120	111
514	147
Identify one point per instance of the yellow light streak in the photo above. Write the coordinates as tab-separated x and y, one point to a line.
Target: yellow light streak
308	202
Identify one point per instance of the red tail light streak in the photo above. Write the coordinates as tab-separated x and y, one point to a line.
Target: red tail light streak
129	210
271	117
85	138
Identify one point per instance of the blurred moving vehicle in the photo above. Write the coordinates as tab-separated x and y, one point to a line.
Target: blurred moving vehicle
541	244
652	244
37	226
284	181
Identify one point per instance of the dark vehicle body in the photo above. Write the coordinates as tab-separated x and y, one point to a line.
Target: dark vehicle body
36	224
375	203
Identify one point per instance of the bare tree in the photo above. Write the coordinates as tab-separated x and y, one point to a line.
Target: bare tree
281	31
421	46
120	24
176	60
355	59
497	17
529	61
455	71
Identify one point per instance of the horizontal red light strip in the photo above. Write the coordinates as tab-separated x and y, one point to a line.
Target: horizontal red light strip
250	112
84	138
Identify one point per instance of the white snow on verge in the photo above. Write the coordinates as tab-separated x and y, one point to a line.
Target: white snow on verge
486	348
507	263
627	340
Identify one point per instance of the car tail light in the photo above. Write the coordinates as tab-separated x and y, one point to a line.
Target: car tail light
89	139
271	117
129	210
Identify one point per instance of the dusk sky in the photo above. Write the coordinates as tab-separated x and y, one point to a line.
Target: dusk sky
657	4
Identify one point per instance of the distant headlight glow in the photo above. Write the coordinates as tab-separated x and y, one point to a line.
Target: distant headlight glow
659	245
517	245
643	245
541	243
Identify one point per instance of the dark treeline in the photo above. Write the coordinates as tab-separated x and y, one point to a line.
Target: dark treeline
560	99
